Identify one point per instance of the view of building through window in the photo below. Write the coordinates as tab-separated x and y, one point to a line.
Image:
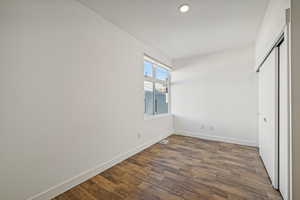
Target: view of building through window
156	88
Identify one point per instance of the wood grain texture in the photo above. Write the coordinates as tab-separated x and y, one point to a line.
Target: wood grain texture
184	169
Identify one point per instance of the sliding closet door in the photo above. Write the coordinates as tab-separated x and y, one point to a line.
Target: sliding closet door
284	120
268	116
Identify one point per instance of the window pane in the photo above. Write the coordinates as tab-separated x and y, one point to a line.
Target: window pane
161	98
161	73
148	69
148	98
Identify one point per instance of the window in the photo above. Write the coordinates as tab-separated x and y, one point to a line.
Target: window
156	88
148	69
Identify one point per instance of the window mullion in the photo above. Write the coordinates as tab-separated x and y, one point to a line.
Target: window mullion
153	84
169	93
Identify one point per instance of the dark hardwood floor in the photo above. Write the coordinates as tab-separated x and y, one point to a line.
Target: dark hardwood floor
186	168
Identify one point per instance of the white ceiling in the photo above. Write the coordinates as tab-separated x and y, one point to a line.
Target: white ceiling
210	25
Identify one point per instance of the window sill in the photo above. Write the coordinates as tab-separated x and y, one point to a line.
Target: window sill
153	117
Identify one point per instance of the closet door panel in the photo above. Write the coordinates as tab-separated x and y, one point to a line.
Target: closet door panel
268	116
284	121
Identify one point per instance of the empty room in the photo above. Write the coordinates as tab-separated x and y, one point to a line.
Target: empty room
149	100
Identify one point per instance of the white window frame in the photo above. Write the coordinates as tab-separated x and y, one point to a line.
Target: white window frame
152	79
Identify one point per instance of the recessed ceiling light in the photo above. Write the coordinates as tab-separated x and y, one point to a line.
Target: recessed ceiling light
184	8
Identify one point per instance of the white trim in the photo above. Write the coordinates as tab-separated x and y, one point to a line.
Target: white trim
290	132
76	180
156	62
216	138
151	79
153	117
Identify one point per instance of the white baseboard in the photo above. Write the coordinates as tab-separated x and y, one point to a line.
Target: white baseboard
216	138
80	178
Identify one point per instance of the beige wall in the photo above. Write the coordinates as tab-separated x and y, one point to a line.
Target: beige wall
271	26
207	101
295	62
71	88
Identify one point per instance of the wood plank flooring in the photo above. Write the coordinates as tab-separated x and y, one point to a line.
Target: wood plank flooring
184	169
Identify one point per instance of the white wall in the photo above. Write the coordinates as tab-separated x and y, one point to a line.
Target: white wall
216	96
71	89
271	27
295	82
